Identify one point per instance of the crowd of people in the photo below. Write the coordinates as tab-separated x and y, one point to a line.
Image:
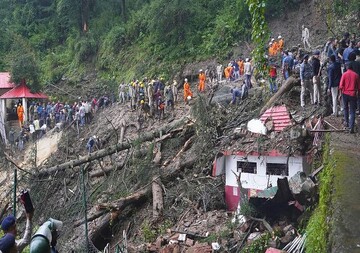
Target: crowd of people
45	116
340	59
152	98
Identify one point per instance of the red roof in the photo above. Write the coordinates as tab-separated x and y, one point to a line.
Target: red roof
22	91
5	81
279	115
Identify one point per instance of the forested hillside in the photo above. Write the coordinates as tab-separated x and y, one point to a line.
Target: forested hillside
43	40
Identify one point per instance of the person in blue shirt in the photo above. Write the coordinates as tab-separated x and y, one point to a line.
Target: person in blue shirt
347	52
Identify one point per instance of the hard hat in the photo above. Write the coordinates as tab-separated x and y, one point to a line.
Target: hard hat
279	37
186	79
189	98
272	39
270	43
200	70
247	59
95	137
142	101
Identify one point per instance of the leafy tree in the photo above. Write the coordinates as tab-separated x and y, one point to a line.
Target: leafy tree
259	32
23	63
24	67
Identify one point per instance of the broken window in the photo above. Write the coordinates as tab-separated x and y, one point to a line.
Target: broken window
246	167
278	169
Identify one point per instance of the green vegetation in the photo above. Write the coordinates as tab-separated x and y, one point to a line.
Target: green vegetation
318	227
46	40
260	32
150	232
258	246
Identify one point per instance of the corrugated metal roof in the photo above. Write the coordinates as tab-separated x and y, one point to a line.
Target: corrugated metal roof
22	91
279	115
5	81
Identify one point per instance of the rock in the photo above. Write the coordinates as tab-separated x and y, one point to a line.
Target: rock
288	228
287	238
215	246
159	242
189	242
253	237
187	224
273	243
173	248
182	237
273	250
200	248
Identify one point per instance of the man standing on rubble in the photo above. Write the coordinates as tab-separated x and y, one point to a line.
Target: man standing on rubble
334	75
349	89
306	74
316	76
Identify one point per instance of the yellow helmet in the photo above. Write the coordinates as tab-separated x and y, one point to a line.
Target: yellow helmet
142	102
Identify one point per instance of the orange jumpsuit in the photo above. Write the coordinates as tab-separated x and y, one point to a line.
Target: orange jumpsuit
187	91
241	66
275	47
281	45
228	71
20	113
202	79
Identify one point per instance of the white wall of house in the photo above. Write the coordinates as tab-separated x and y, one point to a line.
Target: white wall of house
260	180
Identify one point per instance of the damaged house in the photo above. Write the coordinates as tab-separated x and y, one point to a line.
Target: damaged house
269	149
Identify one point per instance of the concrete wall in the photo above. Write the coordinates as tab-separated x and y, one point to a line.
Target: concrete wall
260	180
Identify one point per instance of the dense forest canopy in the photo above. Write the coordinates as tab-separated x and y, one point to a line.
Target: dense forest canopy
45	40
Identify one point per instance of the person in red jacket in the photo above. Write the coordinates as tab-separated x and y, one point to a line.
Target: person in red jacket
272	78
349	89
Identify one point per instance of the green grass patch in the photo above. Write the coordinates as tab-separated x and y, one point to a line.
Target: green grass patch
318	227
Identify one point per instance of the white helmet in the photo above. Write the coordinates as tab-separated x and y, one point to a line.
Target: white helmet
279	37
186	79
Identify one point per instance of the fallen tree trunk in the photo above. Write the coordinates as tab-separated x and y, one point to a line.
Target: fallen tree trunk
111	150
119	205
158	199
287	86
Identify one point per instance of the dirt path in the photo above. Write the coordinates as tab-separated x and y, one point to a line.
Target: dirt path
46	146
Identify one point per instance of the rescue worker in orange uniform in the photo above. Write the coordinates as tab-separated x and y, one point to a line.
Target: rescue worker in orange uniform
202	79
271	50
281	43
275	47
20	113
228	71
241	66
187	91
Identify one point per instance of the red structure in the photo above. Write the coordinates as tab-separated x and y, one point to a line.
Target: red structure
22	91
5	84
279	115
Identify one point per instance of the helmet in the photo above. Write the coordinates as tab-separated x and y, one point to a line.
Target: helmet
279	37
200	70
189	98
142	101
186	80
